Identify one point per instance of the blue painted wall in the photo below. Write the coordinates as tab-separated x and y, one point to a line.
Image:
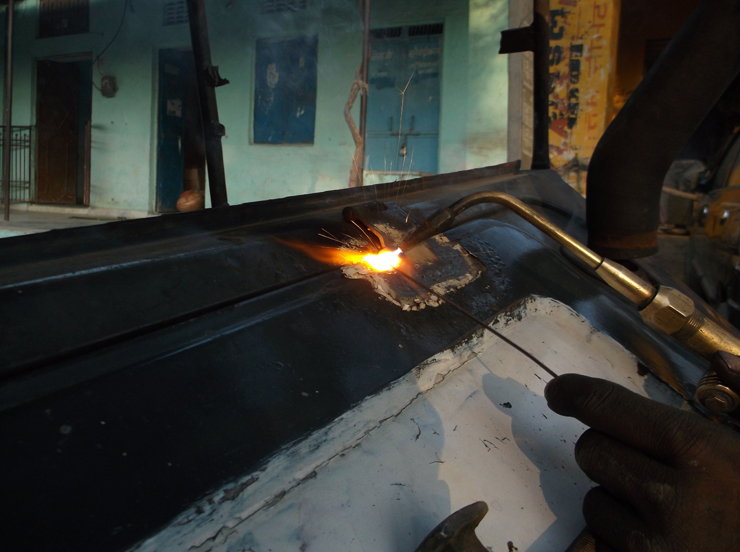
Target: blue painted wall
473	105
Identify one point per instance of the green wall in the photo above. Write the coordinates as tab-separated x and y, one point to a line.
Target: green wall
123	166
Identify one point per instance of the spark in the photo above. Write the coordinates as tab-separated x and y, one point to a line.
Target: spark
332	239
403	99
366	236
325	230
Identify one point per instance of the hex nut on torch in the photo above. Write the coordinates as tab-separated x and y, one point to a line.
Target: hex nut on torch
671	312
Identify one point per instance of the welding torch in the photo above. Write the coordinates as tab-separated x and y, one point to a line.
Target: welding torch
664	309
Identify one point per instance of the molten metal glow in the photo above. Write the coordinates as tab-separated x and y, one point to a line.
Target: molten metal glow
383	261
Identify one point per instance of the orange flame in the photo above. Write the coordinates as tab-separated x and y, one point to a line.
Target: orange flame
384	261
328	255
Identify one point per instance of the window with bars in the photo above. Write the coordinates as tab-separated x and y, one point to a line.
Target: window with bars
175	13
426	30
273	6
63	17
393	32
407	32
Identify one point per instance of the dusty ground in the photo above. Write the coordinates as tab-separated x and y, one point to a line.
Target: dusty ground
29	223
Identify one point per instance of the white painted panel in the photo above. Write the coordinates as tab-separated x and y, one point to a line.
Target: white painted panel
386	473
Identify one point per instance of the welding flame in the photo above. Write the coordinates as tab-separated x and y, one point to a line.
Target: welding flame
383	261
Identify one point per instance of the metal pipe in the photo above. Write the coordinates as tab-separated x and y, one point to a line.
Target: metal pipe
8	107
664	309
365	8
88	152
619	278
208	79
443	219
678	193
627	169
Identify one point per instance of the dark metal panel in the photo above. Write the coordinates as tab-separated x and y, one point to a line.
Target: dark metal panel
217	345
163	419
107	283
65	247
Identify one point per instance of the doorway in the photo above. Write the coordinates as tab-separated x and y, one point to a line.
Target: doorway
404	99
181	153
63	113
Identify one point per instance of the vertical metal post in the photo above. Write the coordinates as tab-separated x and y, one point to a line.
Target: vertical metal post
365	13
541	28
7	108
208	79
86	163
536	38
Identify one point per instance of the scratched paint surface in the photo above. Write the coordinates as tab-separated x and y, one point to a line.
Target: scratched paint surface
469	424
583	39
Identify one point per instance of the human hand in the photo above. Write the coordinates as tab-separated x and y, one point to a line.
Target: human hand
669	480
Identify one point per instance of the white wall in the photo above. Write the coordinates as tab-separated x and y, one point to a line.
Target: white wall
123	165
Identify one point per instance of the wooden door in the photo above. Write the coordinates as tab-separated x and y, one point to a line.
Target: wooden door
58	91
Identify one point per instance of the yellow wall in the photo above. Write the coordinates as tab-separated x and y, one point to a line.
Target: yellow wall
583	52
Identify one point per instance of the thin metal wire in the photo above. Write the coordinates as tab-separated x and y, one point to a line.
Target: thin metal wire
480	322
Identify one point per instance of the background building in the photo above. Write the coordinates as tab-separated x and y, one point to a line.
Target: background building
107	89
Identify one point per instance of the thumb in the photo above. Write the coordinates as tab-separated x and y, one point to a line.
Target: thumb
652	428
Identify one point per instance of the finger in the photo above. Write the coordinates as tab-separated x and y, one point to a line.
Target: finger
629	475
657	430
614	523
727	367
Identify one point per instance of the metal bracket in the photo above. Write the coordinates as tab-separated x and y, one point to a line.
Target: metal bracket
514	41
213	79
219	130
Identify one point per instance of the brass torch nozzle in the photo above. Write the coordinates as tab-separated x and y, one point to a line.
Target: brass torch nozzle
664	309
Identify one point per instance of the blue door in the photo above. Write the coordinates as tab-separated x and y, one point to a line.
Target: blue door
404	97
175	73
